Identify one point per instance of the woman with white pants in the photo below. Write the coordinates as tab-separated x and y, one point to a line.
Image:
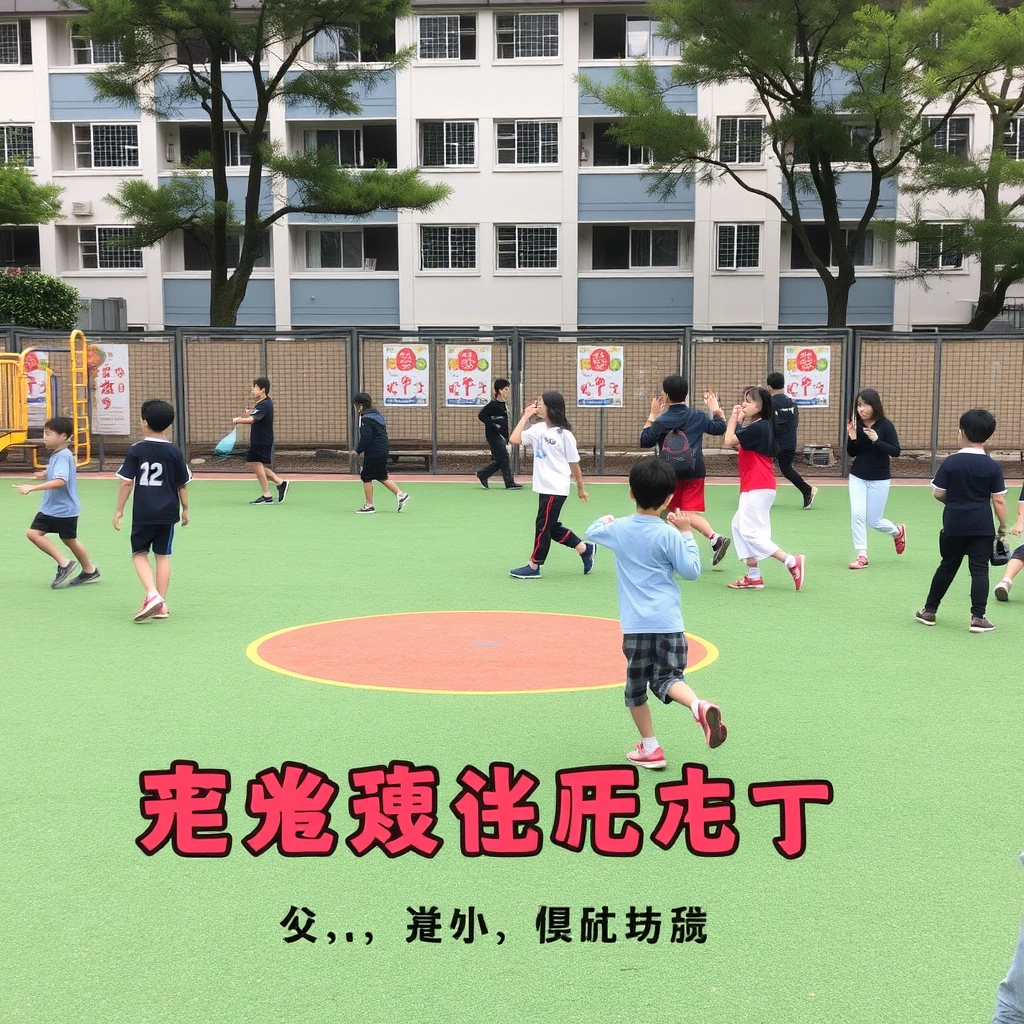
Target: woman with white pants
873	442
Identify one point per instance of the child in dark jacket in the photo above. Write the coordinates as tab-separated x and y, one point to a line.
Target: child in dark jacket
373	446
494	417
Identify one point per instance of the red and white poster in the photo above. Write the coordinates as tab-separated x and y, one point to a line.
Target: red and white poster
407	375
599	375
807	374
467	374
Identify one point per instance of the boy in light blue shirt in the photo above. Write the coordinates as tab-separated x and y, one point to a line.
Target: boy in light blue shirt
60	508
647	553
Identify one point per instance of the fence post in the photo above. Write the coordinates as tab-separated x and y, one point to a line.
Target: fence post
515	369
600	441
354	388
936	386
684	354
434	400
263	355
851	370
182	427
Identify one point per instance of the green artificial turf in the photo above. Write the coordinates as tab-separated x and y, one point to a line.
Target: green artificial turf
904	908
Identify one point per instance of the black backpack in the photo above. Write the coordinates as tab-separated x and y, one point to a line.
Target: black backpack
676	451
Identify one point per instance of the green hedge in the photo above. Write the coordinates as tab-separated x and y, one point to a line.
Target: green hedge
29	299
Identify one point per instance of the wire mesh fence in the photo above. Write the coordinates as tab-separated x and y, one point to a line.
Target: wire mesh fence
926	381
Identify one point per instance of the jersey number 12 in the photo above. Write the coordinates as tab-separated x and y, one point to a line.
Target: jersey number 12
151	474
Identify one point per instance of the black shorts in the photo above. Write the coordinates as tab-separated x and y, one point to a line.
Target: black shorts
157	536
260	453
65	528
375	467
652	659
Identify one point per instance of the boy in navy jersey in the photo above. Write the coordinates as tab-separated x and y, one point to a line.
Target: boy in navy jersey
787	420
967	483
260	455
157	471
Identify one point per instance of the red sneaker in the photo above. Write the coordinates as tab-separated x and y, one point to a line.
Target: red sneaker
149	608
747	584
860	562
710	717
797	572
655	759
163	613
901	540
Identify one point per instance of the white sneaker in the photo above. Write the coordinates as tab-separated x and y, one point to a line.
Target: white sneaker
403	498
1002	590
365	510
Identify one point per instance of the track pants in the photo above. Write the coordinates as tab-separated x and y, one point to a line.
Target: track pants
549	528
501	461
953	549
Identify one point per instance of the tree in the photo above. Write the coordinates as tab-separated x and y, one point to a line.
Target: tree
203	32
30	299
23	200
890	66
989	184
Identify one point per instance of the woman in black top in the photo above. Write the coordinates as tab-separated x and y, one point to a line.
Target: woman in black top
872	441
494	417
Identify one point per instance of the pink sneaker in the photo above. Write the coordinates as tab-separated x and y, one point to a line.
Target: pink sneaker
710	717
860	562
901	540
797	572
655	759
747	584
163	613
149	608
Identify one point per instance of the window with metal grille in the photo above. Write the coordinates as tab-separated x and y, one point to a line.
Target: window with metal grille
238	148
16	143
619	247
105	249
739	140
821	245
609	152
521	248
19	247
447	143
940	251
16	42
344	145
617	36
353	249
447	248
447	37
954	137
1013	144
337	45
197	257
526	35
194	51
527	142
106	145
739	246
85	51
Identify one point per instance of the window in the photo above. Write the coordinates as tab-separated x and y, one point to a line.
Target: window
860	138
352	44
16	143
954	137
526	35
352	249
16	42
635	35
1013	145
448	37
527	142
445	248
197	51
198	258
608	152
345	145
739	140
821	245
448	143
526	248
85	51
106	145
105	249
941	252
19	247
739	246
238	148
618	247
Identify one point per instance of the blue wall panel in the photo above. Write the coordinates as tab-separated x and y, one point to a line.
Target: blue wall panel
187	303
376	217
326	302
375	103
852	190
619	196
679	98
237	186
72	98
802	301
239	86
608	301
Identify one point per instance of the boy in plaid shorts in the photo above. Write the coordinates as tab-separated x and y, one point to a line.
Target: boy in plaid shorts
647	552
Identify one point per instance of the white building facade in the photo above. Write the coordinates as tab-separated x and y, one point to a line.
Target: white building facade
549	223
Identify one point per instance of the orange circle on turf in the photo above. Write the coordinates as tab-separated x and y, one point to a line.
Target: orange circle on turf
459	652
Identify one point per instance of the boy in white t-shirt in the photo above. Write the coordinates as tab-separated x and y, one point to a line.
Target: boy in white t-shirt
556	460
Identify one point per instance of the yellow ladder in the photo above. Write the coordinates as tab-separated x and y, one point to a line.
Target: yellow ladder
81	443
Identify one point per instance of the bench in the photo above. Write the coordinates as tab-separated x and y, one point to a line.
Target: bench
422	448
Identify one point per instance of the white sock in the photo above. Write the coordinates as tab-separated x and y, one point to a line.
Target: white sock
713	538
650	744
1007	581
693	708
790	561
753	572
152	593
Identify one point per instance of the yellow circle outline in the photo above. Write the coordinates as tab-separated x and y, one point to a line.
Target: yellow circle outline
252	653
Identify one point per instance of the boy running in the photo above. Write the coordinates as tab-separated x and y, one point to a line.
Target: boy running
787	419
157	471
60	507
374	447
647	552
260	455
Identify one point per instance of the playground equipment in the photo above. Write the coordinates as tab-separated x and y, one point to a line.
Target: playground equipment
15	371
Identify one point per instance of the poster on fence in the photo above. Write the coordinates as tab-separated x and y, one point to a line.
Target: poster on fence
111	397
407	375
807	374
37	366
599	376
467	374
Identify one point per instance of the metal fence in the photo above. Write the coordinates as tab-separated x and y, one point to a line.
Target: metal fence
925	380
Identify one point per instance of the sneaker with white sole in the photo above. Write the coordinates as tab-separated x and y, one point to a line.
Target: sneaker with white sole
809	498
525	572
746	583
798	572
925	617
588	556
403	500
653	759
162	614
900	539
860	562
709	716
149	608
719	549
981	625
1002	590
366	510
85	577
63	577
282	490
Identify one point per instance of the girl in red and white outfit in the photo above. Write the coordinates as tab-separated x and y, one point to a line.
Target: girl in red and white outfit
751	429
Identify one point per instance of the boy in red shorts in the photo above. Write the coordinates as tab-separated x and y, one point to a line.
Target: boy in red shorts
671	421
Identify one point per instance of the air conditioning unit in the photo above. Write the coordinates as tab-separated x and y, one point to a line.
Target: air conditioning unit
81	209
103	315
